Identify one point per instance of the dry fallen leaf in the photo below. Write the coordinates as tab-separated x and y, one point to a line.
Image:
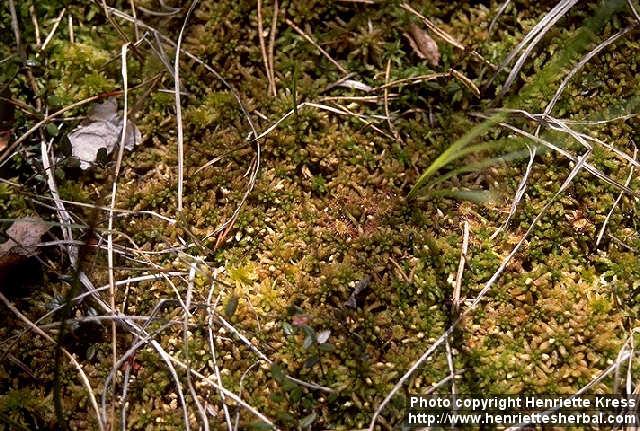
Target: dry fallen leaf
102	129
355	85
300	319
4	139
24	234
323	336
423	45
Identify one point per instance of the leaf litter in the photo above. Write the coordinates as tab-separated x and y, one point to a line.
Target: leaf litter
102	130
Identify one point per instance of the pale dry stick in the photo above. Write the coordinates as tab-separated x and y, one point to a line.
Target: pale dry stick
162	55
168	359
114	189
167	250
561	126
434	28
427	354
461	264
501	10
634	10
80	297
300	106
185	329
63	214
315	44
240	387
139	341
617	201
72	38
522	187
622	244
446	36
362	119
535	33
525	54
210	311
387	73
414	80
170	11
116	210
449	353
227	393
583	138
193	57
590	168
629	381
56	23
72	359
628	346
263	47
209	163
363	99
15	27
158	267
441	383
104	319
136	31
456	300
123	397
36	26
264	357
597	122
176	81
272	42
580	64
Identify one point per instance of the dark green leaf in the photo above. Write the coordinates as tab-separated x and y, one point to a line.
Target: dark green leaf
259	425
307	420
326	347
52	129
288	329
309	340
277	373
310	362
232	305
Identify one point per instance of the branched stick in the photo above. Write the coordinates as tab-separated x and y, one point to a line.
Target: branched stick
315	44
617	201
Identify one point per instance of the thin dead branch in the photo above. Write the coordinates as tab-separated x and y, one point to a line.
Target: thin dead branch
315	44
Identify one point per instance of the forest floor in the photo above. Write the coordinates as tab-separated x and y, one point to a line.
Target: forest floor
341	187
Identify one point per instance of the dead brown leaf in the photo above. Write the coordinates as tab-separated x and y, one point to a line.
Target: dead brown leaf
423	45
4	139
24	235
